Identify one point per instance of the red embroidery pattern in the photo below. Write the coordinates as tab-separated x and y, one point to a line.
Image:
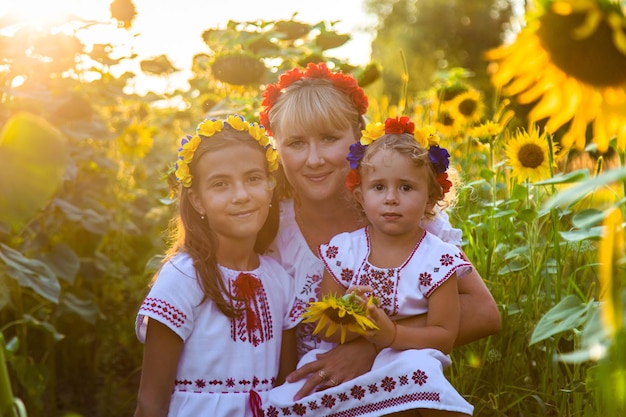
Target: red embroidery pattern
357	392
164	309
446	259
254	324
346	274
384	283
425	279
331	252
299	409
420	377
217	386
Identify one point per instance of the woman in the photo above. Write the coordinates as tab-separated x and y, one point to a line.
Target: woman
314	117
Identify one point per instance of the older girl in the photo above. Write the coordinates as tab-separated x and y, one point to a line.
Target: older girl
217	314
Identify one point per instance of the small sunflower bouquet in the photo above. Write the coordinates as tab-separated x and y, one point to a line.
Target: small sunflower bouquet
347	313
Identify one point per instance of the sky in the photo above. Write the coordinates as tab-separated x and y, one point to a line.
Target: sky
174	27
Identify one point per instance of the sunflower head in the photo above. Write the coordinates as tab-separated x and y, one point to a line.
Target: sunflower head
529	156
569	64
468	107
347	314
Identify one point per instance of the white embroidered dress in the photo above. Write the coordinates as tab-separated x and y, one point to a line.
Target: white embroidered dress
292	252
222	360
399	380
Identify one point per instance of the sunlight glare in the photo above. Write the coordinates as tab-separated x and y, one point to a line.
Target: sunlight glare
43	13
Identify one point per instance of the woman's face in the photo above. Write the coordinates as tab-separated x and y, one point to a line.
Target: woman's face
315	162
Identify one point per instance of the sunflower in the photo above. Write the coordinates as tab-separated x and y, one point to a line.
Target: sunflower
528	155
486	132
347	314
468	107
569	64
446	125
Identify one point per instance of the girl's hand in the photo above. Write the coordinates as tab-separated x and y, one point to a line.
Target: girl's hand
387	328
362	292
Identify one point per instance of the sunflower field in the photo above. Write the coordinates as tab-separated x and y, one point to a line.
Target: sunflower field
539	156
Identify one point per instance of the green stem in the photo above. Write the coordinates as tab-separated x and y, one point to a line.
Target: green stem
556	241
6	394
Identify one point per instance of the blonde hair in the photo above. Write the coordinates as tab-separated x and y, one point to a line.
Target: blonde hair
313	104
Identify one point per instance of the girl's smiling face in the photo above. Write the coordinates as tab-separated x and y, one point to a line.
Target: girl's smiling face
232	189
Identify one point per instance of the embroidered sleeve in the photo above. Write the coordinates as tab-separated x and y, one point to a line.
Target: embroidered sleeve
339	259
171	300
442	262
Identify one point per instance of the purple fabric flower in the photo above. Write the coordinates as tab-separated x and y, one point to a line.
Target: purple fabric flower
440	158
356	154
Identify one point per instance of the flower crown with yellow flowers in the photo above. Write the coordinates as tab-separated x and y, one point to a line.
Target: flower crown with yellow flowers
439	157
345	83
208	128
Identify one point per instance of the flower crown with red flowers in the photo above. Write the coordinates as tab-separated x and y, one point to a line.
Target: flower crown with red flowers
439	157
345	83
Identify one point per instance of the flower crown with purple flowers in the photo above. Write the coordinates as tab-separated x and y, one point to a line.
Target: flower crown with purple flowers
345	83
439	157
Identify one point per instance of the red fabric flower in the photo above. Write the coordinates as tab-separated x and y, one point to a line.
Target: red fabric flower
317	71
399	125
353	179
345	83
445	183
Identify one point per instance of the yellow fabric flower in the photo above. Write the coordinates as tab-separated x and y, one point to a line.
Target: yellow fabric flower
189	148
206	129
528	156
569	63
346	314
272	157
372	132
210	127
237	122
183	174
258	132
423	134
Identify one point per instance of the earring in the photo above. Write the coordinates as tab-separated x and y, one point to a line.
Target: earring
270	205
202	217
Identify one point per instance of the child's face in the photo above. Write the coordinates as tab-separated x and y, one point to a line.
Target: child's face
231	188
394	193
315	162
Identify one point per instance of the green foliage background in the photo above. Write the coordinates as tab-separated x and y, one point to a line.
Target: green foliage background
76	255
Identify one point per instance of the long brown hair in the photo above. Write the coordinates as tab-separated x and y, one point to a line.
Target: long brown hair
190	234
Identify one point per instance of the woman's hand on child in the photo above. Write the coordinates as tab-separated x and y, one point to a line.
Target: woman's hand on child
342	363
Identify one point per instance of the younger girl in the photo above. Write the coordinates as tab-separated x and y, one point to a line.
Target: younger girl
410	271
213	321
